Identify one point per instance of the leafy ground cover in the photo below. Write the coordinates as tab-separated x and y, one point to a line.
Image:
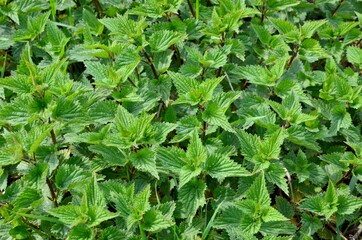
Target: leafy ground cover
171	119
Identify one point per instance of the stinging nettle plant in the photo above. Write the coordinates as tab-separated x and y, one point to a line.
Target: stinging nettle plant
180	119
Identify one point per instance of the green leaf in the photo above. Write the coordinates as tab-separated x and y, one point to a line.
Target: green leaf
257	75
272	215
69	214
216	57
309	27
103	111
284	207
211	222
302	137
190	69
278	228
121	25
281	4
38	134
276	174
100	73
56	38
283	26
15	112
91	20
191	196
29	198
237	48
141	203
20	84
69	174
314	204
221	166
207	88
35	26
196	152
36	176
229	218
67	110
258	192
98	214
249	144
250	225
162	60
214	115
155	9
340	119
186	173
310	224
81	232
161	40
122	197
226	99
262	33
145	160
270	148
19	232
112	155
182	83
185	128
344	27
348	204
354	55
113	233
331	196
171	158
94	195
5	230
7	157
155	221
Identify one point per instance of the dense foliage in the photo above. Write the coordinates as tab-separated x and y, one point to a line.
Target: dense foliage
172	119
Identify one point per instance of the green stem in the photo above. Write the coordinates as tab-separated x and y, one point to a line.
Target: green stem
263	12
197	9
211	222
150	62
158	199
52	192
337	7
70	17
143	234
191	8
4	66
98	7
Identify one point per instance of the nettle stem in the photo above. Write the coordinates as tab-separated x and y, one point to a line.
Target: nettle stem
204	129
98	7
150	62
204	124
264	10
154	71
52	193
294	56
337	7
142	232
53	137
160	105
191	8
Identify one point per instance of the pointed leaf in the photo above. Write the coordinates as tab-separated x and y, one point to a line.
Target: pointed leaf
220	166
145	160
214	115
161	40
258	192
192	196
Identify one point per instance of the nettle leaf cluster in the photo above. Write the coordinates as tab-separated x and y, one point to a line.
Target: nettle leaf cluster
180	119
